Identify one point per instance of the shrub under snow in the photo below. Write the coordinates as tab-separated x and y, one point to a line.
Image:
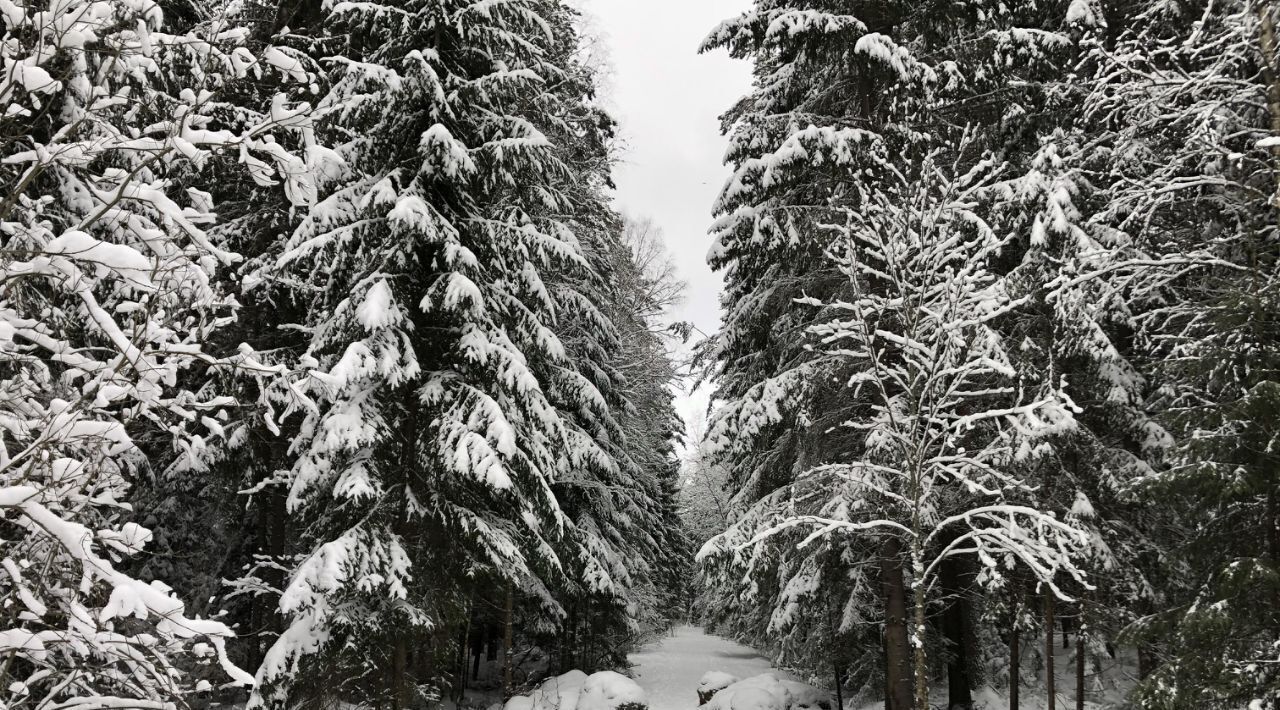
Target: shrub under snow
713	682
764	692
576	690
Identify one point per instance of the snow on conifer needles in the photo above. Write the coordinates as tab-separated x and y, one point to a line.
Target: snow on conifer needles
414	233
972	256
329	374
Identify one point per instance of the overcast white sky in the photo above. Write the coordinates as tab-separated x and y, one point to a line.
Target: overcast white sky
668	99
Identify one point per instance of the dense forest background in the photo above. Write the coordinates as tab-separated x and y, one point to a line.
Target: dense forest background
330	373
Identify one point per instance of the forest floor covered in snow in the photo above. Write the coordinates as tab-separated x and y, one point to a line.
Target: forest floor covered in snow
670	669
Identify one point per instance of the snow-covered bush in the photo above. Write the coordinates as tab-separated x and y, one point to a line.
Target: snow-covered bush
713	682
766	691
576	690
608	690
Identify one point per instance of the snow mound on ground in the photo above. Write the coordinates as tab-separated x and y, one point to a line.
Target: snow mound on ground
576	690
713	682
807	697
768	692
560	692
607	690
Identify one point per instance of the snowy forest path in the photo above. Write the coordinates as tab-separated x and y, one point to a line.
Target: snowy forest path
669	669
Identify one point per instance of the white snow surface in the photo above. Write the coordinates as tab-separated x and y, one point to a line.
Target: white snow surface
672	669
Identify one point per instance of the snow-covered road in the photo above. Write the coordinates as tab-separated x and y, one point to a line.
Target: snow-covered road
671	668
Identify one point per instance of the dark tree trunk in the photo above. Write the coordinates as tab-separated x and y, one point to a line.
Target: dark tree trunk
897	647
1080	653
399	688
955	620
1051	699
569	644
834	624
508	654
1015	654
836	679
1146	662
884	657
462	652
1273	525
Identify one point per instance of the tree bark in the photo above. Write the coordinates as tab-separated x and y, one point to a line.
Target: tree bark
508	654
1273	538
1080	654
897	647
463	645
477	648
1015	653
835	653
1051	699
921	659
399	689
1146	661
1273	526
954	626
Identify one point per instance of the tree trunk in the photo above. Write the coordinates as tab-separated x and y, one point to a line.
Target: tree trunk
272	536
884	657
921	659
1080	654
1051	699
1273	537
1146	661
836	679
1273	527
508	654
399	688
462	650
835	653
1015	653
897	675
954	627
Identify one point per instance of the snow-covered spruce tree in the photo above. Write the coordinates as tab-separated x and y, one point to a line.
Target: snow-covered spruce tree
107	303
466	451
946	422
624	515
653	428
637	508
792	140
1073	327
841	90
1185	107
